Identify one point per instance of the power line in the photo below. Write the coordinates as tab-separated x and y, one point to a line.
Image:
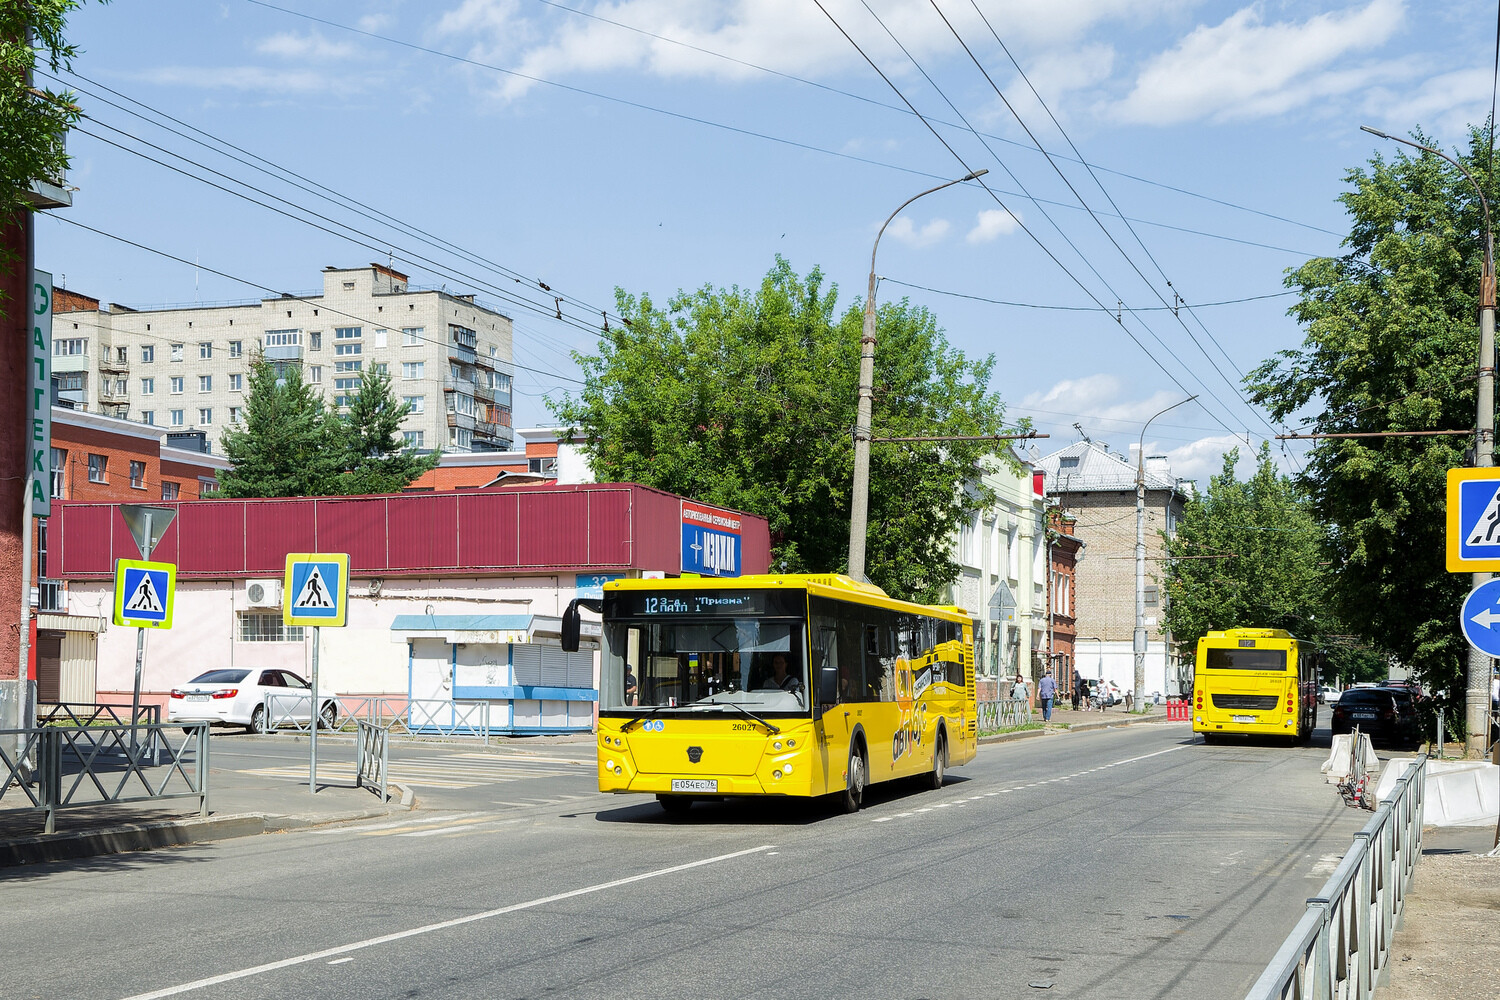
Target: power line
1058	308
901	110
280	296
946	145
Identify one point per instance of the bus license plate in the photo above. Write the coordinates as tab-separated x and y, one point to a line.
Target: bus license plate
1244	718
695	784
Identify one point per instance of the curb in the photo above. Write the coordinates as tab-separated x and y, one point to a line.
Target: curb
129	837
1073	727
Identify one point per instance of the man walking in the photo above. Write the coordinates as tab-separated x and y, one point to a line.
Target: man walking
1047	691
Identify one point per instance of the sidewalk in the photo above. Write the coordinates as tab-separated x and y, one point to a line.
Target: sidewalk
240	805
1065	720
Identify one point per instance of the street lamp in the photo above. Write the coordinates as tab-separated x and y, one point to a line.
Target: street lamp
1139	643
1477	697
859	513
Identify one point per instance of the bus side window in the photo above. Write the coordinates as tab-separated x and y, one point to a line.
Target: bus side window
826	654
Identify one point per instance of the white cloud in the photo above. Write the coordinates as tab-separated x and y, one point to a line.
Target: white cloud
312	46
256	78
991	224
1204	458
1246	68
1097	399
1445	104
789	36
903	230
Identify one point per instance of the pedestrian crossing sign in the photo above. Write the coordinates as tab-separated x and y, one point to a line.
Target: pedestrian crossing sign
1473	520
316	588
144	593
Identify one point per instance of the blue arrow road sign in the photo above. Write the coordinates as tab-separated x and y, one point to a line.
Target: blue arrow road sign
1481	618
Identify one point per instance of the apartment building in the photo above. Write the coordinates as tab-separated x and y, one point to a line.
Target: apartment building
187	368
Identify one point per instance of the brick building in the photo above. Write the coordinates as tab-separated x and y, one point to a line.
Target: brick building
1064	549
1096	487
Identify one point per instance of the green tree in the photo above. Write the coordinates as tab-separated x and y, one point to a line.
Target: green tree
378	460
292	445
747	398
1249	554
1391	342
34	120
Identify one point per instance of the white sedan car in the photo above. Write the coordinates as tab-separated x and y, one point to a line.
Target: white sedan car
237	696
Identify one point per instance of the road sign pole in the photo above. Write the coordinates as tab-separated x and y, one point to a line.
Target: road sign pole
312	769
135	697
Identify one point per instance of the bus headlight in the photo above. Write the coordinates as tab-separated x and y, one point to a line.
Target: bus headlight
776	775
776	745
786	769
791	743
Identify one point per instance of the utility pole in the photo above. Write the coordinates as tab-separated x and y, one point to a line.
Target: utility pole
1480	666
15	455
1139	644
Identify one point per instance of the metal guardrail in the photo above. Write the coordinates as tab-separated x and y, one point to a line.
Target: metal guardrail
1005	714
1342	943
449	718
90	713
100	765
287	713
372	757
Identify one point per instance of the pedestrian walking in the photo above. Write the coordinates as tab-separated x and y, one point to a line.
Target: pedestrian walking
1047	692
1077	689
1018	689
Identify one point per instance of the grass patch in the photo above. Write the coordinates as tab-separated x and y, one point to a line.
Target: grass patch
1021	728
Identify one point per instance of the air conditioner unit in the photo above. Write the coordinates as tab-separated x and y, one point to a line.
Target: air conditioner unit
263	593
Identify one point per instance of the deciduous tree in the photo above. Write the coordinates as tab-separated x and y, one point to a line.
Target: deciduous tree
746	398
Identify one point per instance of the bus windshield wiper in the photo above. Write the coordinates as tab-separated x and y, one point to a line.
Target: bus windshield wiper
745	711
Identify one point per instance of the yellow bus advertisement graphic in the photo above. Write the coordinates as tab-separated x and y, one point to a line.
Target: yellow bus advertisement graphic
795	685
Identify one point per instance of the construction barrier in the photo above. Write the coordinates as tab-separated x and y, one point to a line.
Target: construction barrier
1179	711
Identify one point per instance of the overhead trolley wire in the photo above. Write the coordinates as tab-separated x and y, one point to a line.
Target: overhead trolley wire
957	156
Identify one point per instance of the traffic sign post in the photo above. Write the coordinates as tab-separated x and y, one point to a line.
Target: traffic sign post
145	593
317	589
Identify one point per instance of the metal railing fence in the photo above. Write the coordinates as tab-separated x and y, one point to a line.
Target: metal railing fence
288	713
90	713
372	757
1343	942
1004	714
59	767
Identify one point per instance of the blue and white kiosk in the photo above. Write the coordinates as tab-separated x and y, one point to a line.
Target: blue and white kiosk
497	673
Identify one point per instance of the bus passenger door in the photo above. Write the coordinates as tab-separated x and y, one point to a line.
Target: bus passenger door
833	746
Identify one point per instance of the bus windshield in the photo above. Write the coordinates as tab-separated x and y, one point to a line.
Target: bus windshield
1245	659
754	663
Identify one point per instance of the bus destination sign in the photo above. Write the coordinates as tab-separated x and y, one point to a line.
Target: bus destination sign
725	603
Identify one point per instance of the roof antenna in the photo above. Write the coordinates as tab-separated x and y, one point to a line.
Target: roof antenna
1079	428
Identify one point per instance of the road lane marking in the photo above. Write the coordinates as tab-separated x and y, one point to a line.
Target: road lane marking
1034	784
341	961
286	963
398	825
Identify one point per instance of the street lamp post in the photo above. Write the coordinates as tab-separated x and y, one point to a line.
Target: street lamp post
1477	697
1138	645
859	512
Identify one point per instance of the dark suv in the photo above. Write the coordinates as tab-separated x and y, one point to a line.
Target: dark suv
1387	716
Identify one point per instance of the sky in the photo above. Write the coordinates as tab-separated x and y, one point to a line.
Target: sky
1194	152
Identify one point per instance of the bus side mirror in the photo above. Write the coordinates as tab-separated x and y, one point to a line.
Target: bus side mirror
828	685
572	623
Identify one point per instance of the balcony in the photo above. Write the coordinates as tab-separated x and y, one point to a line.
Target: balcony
283	352
458	352
451	384
115	366
460	420
108	396
492	433
484	392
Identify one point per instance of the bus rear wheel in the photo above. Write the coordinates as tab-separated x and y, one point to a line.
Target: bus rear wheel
934	778
854	789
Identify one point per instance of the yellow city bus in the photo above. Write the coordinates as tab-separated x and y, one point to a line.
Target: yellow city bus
693	703
1255	681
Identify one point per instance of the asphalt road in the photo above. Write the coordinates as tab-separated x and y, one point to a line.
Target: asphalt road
1121	863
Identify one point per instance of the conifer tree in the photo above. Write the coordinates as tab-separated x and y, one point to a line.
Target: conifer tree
291	444
378	460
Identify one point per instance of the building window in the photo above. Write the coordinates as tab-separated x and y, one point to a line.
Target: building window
347	349
1068	462
205	383
236	348
120	387
380	337
463	336
205	349
418	404
1150	596
412	369
148	417
234	414
315	340
177	381
138	475
176	352
348	366
98	468
65	348
205	415
59	472
122	355
460	403
315	374
380	368
461	437
348	332
68	381
283	338
148	386
169	489
346	384
148	354
411	336
236	383
207	486
176	418
348	286
413	438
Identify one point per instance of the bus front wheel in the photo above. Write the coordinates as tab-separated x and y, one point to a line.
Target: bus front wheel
854	789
